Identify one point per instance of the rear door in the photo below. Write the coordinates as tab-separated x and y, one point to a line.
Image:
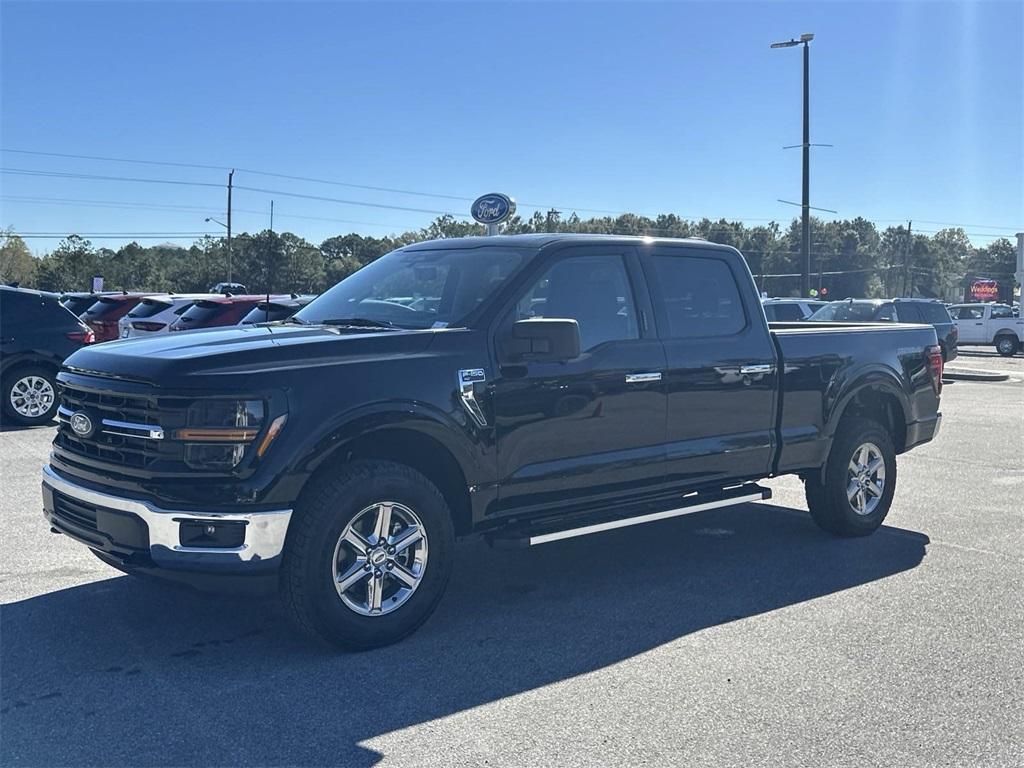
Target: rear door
721	377
592	428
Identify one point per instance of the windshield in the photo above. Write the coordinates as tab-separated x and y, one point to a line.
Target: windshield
847	312
417	289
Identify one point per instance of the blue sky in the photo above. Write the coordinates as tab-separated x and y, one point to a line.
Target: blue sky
667	107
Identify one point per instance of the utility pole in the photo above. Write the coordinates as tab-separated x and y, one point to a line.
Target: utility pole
231	175
907	281
271	217
805	203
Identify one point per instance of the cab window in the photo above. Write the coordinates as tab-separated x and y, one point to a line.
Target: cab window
593	290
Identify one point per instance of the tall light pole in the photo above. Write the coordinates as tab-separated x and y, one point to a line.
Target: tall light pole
231	176
208	219
805	204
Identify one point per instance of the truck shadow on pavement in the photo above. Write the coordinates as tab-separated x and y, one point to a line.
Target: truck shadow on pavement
127	672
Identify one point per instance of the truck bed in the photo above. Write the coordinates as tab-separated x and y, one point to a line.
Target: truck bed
819	361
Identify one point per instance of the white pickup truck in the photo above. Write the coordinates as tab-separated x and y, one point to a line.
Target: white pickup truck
989	325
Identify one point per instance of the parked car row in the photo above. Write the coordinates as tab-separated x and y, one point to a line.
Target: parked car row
39	330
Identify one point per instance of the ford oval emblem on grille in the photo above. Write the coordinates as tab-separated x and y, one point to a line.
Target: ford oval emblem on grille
81	424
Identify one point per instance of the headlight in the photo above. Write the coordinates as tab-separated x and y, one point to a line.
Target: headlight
218	431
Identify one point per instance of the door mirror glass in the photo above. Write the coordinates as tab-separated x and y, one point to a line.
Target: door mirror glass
542	340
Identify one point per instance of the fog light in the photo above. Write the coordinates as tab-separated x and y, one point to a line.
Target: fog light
219	534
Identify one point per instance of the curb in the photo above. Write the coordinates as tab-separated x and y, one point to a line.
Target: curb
965	375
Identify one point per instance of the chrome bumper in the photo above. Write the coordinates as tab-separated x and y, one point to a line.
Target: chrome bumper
264	531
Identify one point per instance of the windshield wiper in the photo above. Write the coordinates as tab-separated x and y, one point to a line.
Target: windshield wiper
296	320
358	322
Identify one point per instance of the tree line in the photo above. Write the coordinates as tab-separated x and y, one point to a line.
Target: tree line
871	262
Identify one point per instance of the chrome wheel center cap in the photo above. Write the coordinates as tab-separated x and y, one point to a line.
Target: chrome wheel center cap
378	557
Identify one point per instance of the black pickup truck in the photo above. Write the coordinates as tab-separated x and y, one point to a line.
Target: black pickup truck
526	388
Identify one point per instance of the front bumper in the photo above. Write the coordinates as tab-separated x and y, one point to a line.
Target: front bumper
139	533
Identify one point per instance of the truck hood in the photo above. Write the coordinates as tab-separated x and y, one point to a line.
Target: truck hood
206	358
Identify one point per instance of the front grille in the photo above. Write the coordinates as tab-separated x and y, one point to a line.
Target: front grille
115	446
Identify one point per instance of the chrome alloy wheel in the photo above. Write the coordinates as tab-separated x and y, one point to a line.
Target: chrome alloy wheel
865	479
32	396
380	558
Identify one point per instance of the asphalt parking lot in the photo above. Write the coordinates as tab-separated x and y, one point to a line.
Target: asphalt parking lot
734	637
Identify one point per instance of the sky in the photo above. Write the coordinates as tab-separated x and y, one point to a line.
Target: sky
651	108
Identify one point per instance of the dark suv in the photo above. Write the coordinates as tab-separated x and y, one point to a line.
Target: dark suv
926	311
36	334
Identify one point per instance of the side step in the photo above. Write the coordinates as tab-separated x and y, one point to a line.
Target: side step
542	533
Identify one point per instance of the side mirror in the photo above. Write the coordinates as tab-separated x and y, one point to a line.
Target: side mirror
543	340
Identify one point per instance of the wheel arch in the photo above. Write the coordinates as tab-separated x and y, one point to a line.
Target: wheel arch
22	359
876	395
420	442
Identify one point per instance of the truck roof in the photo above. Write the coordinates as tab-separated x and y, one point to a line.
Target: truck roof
541	239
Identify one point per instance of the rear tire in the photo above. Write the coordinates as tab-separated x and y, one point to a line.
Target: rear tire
30	395
1007	346
333	541
859	480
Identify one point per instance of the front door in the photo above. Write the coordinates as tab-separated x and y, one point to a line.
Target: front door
591	428
970	324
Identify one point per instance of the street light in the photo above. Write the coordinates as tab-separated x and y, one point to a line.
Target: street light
805	205
216	221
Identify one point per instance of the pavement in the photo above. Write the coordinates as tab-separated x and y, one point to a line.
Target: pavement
736	637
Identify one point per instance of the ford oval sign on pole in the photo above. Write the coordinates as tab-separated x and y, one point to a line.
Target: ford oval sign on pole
492	210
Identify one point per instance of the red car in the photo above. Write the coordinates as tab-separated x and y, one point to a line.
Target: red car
103	315
218	312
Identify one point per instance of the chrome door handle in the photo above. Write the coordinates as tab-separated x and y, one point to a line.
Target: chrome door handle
757	368
640	378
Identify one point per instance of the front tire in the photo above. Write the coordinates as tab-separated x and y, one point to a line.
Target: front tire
30	395
859	480
368	555
1007	346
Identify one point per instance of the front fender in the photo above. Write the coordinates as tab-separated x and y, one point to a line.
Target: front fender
467	447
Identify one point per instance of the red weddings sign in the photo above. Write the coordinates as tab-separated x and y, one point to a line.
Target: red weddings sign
984	290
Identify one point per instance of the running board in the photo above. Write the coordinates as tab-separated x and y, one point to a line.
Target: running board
731	497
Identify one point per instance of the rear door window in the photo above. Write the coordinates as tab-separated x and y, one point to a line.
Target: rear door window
698	296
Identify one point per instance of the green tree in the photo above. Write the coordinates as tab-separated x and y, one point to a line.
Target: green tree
17	264
70	267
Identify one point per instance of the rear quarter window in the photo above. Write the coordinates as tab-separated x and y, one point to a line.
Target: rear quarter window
935	314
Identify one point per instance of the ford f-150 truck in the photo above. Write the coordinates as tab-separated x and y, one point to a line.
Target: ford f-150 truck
527	388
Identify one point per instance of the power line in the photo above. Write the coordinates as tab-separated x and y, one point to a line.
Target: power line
96	177
435	212
314	180
187	209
